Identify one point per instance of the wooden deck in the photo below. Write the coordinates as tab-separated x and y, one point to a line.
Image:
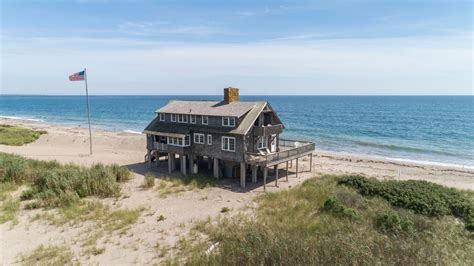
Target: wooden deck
289	150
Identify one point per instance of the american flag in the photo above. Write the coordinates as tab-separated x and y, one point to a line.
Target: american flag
77	76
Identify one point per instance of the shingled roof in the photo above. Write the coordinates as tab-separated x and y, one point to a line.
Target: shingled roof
250	111
211	108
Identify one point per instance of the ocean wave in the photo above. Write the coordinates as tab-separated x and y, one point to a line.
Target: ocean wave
21	118
132	131
430	163
395	147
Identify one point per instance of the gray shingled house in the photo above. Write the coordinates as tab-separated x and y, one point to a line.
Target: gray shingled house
234	137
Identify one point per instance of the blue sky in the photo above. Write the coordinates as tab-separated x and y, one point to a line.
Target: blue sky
263	47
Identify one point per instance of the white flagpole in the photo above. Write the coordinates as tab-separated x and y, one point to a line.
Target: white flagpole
88	112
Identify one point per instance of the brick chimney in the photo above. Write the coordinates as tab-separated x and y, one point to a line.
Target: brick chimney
231	95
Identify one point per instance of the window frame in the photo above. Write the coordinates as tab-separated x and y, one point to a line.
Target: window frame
191	119
173	117
182	118
162	116
209	139
207	120
229	119
262	143
226	142
197	138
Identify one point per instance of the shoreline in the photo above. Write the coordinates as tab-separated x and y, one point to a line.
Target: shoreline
401	161
70	144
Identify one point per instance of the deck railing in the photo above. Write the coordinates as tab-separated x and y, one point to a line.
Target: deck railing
296	148
161	146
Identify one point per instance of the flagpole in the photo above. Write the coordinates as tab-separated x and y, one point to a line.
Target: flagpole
88	112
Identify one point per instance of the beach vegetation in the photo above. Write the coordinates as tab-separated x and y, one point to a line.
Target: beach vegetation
323	221
420	196
172	185
148	181
8	211
48	255
55	185
17	136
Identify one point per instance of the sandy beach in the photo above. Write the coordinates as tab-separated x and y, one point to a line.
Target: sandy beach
137	246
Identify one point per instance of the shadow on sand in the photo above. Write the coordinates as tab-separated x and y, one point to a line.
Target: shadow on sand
160	171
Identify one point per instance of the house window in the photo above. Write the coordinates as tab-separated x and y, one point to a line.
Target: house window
173	117
192	119
228	121
198	138
262	142
182	118
209	139
162	117
228	144
205	119
181	142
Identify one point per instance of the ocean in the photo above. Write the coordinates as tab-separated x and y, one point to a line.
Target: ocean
424	129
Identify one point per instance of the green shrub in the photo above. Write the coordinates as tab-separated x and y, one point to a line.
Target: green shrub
333	206
148	181
225	209
391	222
419	196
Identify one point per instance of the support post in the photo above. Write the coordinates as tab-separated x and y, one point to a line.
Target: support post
216	168
265	173
209	163
148	154
311	162
286	171
275	170
297	167
170	163
191	164
254	174
242	175
157	158
183	164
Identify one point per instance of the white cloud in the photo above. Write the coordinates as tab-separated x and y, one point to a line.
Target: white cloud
422	65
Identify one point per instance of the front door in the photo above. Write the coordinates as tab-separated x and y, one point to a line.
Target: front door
273	144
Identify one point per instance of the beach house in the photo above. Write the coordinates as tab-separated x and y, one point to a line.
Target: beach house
232	138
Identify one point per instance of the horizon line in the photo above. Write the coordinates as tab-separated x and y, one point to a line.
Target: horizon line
287	95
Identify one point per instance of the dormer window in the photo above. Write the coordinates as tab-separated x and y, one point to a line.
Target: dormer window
162	117
192	119
228	121
173	117
205	120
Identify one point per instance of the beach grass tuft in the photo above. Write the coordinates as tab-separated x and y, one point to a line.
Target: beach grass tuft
8	211
48	255
323	222
148	180
172	185
17	136
54	185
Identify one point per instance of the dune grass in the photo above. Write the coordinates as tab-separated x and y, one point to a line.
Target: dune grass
148	181
173	185
55	185
48	255
8	211
108	220
321	222
17	136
